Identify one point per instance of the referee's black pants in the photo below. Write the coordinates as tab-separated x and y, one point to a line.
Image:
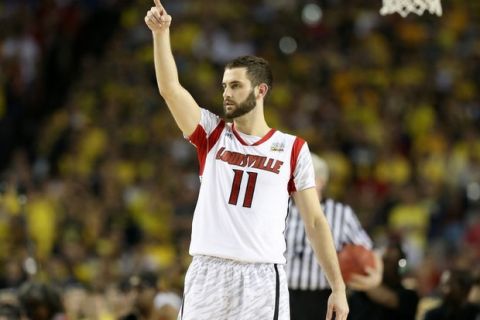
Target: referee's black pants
308	304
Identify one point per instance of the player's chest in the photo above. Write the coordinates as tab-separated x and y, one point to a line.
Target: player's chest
271	157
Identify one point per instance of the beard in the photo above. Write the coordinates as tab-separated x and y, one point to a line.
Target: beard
240	108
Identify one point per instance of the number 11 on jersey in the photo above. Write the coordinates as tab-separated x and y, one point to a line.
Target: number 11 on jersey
237	181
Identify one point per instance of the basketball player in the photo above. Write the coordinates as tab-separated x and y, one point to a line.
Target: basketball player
308	287
248	171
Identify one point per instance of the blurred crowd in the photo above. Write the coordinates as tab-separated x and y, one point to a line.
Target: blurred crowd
97	185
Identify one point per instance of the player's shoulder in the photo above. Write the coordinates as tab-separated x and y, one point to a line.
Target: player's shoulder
293	139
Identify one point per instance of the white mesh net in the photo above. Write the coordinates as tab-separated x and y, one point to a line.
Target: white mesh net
404	7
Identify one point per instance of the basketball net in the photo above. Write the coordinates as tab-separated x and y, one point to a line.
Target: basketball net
404	7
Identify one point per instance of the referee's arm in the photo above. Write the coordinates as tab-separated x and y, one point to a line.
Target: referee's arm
318	232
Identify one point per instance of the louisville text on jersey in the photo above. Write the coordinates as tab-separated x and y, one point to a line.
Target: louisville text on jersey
249	160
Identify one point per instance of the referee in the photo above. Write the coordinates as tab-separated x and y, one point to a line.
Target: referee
308	286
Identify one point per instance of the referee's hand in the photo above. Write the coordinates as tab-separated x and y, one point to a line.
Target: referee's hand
372	279
337	304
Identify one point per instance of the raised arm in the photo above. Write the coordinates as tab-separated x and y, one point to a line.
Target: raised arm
183	107
318	232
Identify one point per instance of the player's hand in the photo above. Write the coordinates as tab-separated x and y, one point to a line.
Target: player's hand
371	280
157	19
337	304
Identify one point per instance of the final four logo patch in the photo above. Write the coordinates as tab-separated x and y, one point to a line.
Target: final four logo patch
277	146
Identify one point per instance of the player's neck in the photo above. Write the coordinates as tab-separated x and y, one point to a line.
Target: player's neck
252	123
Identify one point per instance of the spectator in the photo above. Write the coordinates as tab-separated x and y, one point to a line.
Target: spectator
40	301
455	287
143	288
391	299
167	305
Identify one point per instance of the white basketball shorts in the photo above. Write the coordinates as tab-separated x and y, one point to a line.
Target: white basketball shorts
221	289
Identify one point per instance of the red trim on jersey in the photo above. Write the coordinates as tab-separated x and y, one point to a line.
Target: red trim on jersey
262	140
198	136
199	139
215	135
297	146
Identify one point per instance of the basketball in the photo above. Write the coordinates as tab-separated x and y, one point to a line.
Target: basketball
354	259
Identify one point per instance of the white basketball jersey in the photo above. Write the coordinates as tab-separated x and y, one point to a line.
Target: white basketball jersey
243	200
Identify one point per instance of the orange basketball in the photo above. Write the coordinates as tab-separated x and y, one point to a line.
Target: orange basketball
354	259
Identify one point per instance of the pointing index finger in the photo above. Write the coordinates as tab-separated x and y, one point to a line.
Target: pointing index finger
158	4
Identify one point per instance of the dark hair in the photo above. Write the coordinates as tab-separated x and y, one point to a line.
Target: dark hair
35	294
258	69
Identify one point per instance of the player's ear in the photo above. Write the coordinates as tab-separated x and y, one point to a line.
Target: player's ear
262	89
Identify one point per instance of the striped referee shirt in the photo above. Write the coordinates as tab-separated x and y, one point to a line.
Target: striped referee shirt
302	268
